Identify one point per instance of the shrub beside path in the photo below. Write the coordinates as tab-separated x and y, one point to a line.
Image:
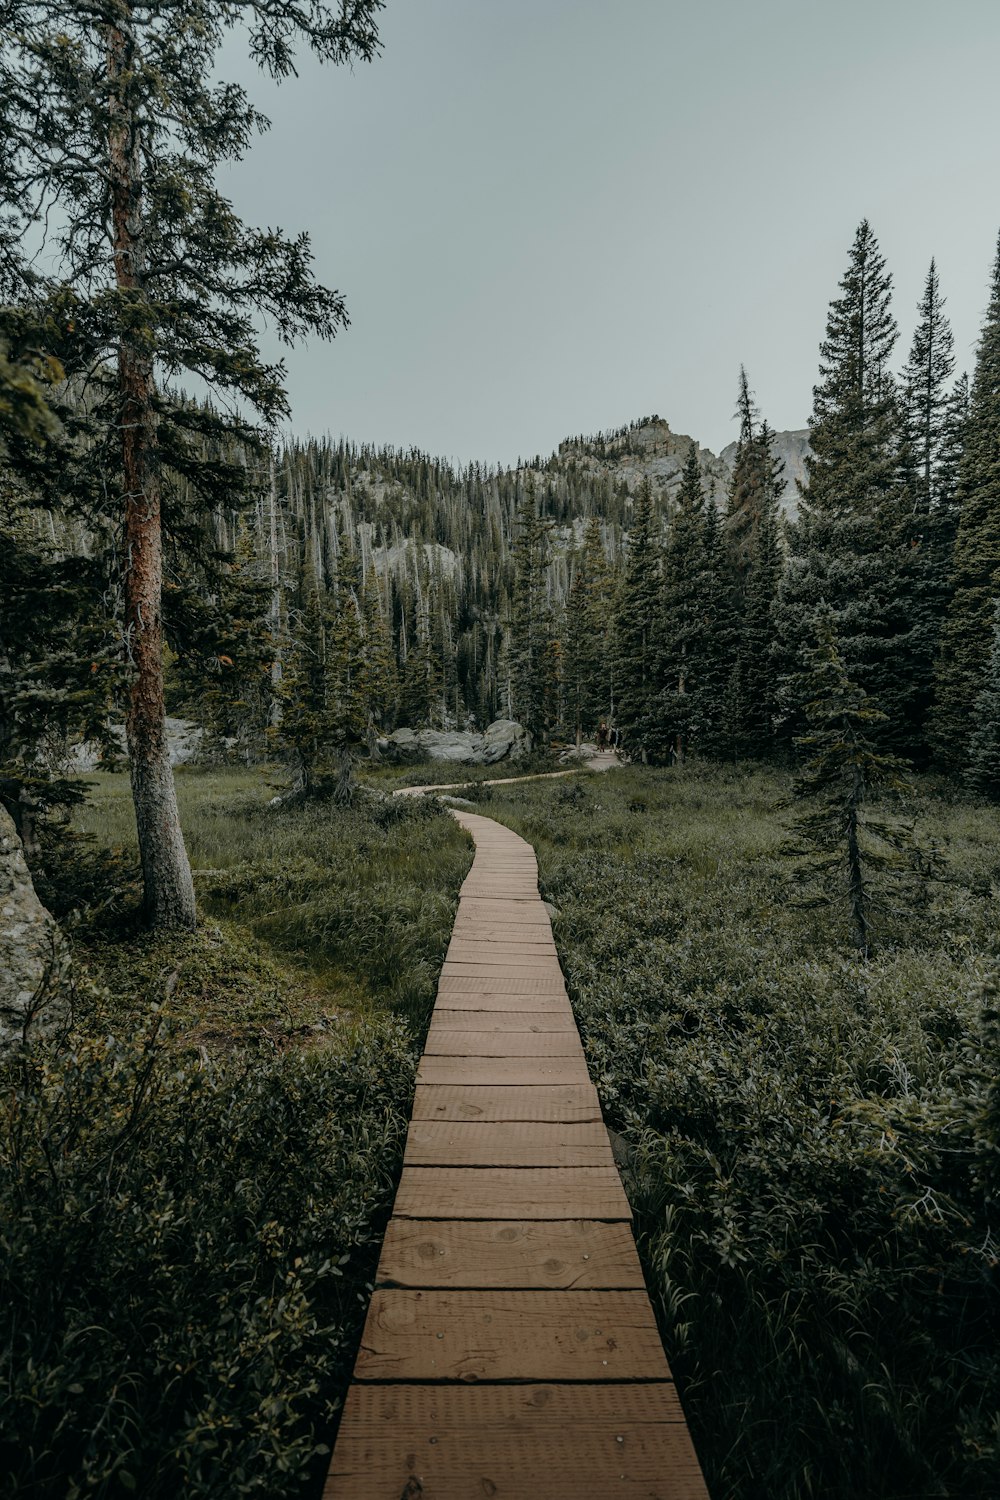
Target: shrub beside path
510	1349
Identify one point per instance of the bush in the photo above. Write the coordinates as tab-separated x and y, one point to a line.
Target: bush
185	1257
812	1140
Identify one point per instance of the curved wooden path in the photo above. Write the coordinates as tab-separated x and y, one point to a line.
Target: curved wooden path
510	1349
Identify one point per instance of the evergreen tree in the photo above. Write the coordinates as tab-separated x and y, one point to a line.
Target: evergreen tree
843	769
753	539
380	678
928	512
975	580
982	768
588	694
531	626
636	622
114	122
847	551
695	636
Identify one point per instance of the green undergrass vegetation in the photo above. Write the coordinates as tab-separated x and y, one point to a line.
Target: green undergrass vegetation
388	775
195	1179
808	1141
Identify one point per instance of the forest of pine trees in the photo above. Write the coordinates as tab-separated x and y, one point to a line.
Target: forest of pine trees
352	590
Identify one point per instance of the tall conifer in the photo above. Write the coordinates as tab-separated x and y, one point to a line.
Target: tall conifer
636	625
975	580
847	553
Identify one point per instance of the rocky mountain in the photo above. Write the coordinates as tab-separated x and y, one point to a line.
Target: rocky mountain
651	449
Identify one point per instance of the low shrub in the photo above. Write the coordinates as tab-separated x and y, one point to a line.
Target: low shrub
811	1140
186	1250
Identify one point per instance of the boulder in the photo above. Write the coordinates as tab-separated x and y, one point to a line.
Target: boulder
502	740
505	739
32	954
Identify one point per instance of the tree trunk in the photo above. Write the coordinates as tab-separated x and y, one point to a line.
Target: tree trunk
857	895
169	889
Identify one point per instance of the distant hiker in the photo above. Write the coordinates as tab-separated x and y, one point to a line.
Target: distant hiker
602	736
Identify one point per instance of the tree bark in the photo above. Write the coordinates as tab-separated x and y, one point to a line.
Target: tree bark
169	889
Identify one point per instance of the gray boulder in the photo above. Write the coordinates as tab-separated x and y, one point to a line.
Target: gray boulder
32	954
505	739
502	740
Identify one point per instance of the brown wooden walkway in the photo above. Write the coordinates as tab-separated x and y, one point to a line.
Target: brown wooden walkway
510	1348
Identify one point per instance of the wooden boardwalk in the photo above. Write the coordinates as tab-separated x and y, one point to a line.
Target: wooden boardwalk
510	1349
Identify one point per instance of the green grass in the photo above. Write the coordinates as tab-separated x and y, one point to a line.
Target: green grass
809	1158
195	1182
313	916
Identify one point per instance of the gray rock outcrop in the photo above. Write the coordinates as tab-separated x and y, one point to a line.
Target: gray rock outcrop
504	739
32	954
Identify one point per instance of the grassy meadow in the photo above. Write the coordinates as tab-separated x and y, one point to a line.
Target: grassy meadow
805	1138
194	1184
805	1135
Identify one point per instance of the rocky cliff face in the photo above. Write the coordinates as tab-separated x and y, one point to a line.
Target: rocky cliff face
32	955
653	450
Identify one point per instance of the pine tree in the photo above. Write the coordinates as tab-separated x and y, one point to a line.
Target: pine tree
588	689
843	769
753	539
531	626
636	623
928	509
695	637
982	768
114	123
847	552
962	665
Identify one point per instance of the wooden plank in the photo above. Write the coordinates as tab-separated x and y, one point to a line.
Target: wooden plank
527	1336
503	1070
491	984
506	1143
442	1041
542	970
486	1000
511	1193
453	1019
563	1254
659	1464
478	951
492	932
496	909
567	1103
459	1442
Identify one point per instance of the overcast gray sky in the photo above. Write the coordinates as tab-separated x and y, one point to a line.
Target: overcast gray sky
553	216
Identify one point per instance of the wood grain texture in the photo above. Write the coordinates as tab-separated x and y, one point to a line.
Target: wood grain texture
468	982
443	1041
568	1254
469	1442
486	1000
511	1193
452	1018
476	1335
505	1070
568	1103
506	1144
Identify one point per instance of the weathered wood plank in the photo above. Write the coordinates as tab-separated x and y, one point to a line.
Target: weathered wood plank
530	1336
442	1041
511	1193
453	1019
506	1143
503	1070
487	1000
468	982
564	1254
460	1442
566	1103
